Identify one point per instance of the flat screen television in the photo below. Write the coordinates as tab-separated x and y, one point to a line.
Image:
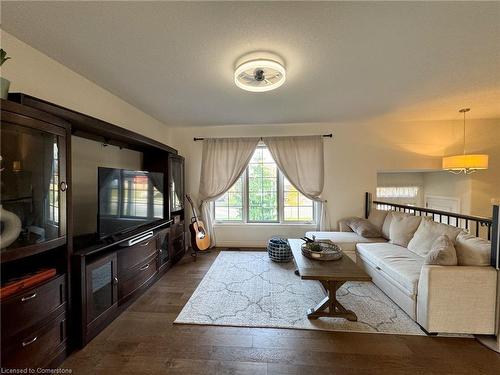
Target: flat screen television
127	200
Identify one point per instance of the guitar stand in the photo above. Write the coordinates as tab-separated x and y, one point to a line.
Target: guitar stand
194	253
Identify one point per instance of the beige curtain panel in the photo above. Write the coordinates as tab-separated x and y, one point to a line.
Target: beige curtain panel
223	162
301	160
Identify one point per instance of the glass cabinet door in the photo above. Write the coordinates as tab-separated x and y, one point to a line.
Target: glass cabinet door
101	287
32	185
176	172
163	248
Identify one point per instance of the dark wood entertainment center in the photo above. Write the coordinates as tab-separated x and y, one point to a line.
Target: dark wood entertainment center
95	280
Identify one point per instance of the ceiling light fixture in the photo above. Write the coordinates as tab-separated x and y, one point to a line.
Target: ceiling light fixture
259	75
465	163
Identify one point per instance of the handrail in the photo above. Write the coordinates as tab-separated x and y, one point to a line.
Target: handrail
482	219
479	221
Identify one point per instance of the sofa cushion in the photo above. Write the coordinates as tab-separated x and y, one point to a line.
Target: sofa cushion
427	233
377	217
386	226
403	228
363	227
346	240
397	262
472	250
442	252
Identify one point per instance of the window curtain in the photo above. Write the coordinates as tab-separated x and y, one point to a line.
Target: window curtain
223	162
301	160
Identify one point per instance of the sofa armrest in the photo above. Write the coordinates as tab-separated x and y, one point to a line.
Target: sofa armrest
457	299
343	227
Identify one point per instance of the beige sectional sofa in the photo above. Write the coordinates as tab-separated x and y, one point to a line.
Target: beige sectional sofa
443	299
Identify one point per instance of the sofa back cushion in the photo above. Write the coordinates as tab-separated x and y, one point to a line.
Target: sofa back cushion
377	217
427	233
472	250
363	227
386	226
403	228
442	252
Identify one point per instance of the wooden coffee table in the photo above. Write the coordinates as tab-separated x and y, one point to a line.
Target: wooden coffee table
332	275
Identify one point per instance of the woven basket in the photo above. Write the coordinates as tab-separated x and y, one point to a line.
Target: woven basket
329	251
279	250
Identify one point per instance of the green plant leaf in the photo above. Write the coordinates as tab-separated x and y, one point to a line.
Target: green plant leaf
3	56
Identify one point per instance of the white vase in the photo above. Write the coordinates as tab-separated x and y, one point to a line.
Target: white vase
11	227
4	88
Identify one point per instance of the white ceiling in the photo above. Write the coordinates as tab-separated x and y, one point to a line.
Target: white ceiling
346	61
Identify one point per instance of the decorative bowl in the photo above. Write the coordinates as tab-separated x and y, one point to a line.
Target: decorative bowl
324	250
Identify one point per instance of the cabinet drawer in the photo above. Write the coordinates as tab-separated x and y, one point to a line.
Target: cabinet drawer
32	306
130	257
37	349
136	278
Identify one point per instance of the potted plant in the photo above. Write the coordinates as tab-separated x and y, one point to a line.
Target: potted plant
4	83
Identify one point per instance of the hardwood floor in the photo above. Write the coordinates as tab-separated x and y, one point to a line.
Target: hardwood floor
143	340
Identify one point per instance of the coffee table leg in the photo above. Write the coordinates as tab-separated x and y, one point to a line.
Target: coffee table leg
330	302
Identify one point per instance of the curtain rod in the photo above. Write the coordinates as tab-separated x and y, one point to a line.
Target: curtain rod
323	135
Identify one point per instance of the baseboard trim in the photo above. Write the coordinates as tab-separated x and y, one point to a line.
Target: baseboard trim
242	244
490	341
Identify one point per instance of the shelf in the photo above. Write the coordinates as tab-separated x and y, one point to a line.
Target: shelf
106	244
10	254
13	200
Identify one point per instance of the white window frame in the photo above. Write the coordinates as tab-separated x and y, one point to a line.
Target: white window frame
281	206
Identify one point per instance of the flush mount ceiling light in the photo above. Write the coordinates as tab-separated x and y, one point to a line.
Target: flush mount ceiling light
465	163
259	75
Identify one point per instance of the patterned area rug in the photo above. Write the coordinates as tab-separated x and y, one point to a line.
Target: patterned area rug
247	289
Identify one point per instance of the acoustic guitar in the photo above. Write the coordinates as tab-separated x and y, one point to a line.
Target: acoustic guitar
200	239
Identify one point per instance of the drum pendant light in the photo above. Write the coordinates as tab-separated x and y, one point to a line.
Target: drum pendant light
465	163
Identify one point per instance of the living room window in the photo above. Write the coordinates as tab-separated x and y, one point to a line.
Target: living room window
263	195
262	177
399	194
229	207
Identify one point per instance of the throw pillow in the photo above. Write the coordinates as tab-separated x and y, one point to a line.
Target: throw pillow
472	250
442	252
377	217
402	229
363	227
386	226
344	224
427	233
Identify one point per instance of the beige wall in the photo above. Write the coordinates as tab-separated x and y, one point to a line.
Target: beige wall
400	179
445	184
87	155
352	159
486	185
34	73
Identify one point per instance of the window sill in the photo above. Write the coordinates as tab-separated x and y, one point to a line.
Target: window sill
308	225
